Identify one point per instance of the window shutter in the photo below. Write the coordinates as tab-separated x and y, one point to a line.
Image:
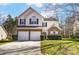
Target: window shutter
45	24
30	21
37	21
24	21
20	21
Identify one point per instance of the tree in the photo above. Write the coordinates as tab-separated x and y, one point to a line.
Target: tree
10	25
67	14
72	17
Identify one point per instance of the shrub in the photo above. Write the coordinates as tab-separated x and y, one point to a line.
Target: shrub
8	39
77	36
54	37
43	37
14	37
74	37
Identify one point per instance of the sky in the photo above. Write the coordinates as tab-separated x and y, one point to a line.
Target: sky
15	9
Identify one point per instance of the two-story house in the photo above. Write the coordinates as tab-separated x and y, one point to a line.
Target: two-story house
51	26
31	25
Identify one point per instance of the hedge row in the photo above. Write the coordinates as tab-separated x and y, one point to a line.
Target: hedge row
52	37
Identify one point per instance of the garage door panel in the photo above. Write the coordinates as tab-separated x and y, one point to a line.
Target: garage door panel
23	35
35	35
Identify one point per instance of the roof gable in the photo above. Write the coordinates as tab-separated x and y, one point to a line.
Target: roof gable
29	9
54	27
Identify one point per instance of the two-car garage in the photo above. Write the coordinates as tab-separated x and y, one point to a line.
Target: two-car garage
29	35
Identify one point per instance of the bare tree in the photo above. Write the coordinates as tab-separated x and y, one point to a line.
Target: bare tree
67	14
71	18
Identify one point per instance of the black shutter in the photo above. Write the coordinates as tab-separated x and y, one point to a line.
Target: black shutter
30	20
20	21
24	21
37	21
46	25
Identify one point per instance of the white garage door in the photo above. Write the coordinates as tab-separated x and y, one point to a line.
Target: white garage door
35	35
23	35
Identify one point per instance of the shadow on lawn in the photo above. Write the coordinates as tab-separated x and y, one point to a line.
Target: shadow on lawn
61	48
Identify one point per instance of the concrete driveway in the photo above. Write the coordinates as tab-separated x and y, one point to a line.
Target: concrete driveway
21	48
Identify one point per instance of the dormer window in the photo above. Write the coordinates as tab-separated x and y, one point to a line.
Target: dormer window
34	20
22	21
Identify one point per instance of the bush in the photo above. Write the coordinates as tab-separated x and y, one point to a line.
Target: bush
8	39
54	37
43	37
14	37
74	37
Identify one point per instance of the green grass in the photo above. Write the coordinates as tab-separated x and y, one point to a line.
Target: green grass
60	47
1	43
4	41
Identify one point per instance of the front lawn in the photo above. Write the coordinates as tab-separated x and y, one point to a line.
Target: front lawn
1	43
60	47
4	41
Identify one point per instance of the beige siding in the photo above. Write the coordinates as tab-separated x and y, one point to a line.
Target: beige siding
28	15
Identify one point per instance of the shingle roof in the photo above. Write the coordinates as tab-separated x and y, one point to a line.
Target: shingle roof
50	19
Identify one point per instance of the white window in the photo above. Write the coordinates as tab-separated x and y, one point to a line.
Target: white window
34	20
22	21
54	32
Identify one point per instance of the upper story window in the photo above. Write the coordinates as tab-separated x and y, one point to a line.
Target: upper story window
22	21
44	24
34	20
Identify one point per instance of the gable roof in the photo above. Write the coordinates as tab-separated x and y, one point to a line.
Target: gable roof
28	10
55	27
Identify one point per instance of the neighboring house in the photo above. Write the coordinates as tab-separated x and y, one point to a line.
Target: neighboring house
31	25
51	26
3	33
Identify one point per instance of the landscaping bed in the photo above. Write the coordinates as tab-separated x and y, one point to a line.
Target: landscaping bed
7	40
60	47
